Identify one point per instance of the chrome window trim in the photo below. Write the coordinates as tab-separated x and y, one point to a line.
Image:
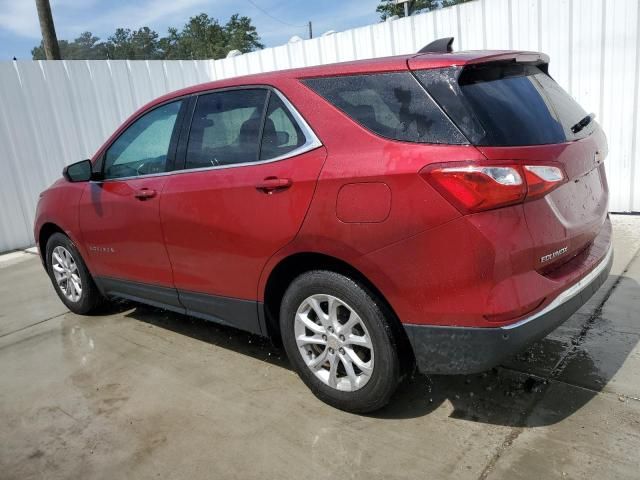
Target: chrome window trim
312	142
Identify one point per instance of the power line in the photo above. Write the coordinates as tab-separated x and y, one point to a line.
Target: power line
275	18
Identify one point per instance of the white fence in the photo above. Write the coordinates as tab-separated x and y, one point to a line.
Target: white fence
53	113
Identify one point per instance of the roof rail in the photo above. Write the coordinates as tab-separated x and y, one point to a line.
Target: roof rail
441	45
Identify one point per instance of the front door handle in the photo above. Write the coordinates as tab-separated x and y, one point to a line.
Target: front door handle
145	194
274	184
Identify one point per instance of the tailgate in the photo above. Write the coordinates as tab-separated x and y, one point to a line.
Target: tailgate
515	113
564	222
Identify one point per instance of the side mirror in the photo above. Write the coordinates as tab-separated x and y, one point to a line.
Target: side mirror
78	172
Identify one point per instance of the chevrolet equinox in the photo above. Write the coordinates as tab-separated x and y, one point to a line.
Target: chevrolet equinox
440	210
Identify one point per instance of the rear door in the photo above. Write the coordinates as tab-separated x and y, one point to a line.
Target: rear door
250	169
516	112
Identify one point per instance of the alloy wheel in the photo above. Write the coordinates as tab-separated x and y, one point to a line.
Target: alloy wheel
334	342
65	271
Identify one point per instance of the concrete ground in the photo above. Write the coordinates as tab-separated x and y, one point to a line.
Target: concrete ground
140	393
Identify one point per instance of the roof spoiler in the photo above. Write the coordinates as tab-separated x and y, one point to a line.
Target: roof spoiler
441	45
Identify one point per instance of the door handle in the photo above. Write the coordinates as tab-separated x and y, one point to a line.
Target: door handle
145	193
274	184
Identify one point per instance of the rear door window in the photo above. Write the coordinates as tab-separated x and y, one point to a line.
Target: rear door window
506	104
392	105
225	129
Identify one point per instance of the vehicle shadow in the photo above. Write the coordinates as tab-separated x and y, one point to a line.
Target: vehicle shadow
223	336
504	395
580	357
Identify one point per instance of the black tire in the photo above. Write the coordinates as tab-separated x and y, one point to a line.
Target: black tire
384	380
90	298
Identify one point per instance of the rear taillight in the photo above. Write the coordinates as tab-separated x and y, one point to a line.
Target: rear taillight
474	188
541	179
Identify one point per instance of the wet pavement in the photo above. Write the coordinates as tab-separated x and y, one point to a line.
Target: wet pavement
138	392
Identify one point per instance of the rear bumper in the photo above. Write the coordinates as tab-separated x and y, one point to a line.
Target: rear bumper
462	350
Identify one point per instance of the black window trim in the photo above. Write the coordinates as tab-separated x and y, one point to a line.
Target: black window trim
311	139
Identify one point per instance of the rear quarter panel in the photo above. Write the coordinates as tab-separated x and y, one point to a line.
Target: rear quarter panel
357	157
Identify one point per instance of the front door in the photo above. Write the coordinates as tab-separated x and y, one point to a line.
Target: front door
239	200
120	215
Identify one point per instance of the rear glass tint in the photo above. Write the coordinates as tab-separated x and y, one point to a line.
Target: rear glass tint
393	105
506	104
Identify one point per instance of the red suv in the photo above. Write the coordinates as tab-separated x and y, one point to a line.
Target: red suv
442	210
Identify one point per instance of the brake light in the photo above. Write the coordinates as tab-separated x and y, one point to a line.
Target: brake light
474	188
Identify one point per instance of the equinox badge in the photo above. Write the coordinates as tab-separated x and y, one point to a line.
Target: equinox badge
552	255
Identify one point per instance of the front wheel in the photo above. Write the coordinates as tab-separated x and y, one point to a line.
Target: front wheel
70	276
339	341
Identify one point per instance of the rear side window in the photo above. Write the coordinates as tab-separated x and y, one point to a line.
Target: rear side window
225	128
392	105
281	133
506	104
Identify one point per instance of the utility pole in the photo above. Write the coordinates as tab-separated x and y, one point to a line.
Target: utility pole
405	3
49	39
310	31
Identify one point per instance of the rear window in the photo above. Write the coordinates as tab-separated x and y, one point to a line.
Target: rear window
393	105
506	104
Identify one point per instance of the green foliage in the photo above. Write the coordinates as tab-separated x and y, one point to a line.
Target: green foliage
86	46
201	37
388	8
451	3
125	44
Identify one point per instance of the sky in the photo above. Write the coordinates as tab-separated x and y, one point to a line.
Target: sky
275	20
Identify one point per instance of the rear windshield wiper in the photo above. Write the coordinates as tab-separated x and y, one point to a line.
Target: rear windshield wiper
583	123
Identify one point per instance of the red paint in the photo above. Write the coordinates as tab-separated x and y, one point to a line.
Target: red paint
122	232
220	229
224	231
363	202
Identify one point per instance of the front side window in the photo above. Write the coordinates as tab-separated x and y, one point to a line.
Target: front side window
143	147
225	129
393	105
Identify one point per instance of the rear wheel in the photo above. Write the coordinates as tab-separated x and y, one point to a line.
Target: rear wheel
70	276
339	341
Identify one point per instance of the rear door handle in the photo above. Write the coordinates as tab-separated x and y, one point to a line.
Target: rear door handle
274	184
145	194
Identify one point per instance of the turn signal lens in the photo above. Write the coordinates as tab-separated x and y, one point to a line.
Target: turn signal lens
474	188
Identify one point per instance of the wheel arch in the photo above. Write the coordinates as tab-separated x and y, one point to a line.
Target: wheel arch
45	233
296	264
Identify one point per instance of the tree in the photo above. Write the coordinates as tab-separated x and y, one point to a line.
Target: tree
389	8
201	37
204	37
451	3
85	47
241	35
141	44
